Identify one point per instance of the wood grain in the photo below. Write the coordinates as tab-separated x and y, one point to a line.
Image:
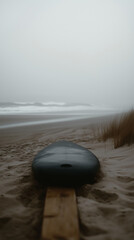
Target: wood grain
60	218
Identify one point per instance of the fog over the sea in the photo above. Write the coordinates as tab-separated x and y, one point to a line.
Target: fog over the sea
67	51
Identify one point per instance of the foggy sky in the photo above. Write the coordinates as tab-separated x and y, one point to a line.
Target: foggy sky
67	50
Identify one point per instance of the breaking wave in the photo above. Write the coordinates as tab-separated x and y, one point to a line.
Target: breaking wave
48	107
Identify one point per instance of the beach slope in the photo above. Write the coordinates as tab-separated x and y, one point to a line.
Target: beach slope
106	208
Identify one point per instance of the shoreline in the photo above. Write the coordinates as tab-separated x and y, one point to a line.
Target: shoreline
13	134
27	120
20	120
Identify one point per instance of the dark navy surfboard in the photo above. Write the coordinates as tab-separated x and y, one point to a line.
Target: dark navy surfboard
65	163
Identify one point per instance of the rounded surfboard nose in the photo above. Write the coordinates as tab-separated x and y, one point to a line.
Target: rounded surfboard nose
65	163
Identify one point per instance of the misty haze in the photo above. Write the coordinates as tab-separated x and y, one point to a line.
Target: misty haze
67	51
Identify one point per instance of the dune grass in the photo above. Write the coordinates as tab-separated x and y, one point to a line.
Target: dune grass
120	130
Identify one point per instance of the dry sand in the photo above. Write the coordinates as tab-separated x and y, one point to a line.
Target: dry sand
106	208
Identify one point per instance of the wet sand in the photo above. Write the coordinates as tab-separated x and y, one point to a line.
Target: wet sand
106	208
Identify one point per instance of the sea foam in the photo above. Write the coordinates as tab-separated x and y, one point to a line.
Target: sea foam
49	108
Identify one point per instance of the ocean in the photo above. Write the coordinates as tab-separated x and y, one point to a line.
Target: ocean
7	108
59	110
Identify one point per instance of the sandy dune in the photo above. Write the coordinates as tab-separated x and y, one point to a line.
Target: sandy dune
106	208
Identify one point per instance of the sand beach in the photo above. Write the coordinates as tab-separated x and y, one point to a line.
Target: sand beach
106	208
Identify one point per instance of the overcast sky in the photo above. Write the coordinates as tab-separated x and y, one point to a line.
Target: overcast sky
67	50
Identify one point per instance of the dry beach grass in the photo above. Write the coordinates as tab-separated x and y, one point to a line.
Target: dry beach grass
106	208
120	130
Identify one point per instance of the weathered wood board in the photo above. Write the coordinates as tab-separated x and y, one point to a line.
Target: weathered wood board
60	218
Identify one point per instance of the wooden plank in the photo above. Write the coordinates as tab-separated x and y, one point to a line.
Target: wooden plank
60	219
